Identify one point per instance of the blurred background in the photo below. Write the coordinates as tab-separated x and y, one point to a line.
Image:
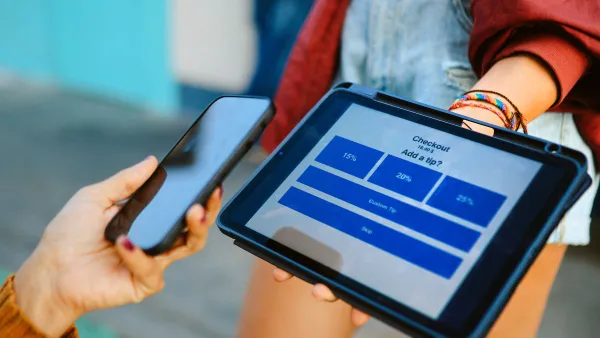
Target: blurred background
89	87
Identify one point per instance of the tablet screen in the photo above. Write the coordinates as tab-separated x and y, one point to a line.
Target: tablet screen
397	206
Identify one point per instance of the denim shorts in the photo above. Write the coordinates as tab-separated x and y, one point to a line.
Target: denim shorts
418	49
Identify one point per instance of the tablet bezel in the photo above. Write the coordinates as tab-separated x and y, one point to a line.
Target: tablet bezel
455	320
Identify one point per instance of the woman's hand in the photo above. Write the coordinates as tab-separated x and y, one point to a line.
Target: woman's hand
74	270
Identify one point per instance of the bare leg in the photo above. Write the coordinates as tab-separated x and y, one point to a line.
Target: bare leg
275	310
288	309
523	314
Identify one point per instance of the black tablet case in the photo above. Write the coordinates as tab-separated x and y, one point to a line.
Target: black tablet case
573	193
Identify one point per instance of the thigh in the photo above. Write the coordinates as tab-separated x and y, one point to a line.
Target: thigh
523	314
274	310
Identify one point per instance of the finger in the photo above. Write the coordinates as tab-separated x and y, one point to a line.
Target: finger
198	221
146	272
323	293
359	318
124	183
281	276
214	205
192	240
198	226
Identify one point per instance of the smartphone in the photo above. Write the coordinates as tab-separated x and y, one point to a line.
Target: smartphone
154	217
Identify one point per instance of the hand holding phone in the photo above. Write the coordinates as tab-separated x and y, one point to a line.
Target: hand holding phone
153	217
73	271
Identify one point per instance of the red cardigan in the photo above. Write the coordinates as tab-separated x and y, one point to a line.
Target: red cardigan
564	34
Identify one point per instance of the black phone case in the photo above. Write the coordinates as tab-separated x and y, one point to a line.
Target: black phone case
578	187
251	138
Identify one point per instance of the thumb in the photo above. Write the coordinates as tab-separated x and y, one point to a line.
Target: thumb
124	183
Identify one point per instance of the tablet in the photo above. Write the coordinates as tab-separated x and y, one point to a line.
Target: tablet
404	214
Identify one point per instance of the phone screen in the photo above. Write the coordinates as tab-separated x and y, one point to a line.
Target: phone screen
187	171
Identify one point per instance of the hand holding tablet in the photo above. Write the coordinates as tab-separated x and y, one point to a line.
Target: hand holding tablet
404	214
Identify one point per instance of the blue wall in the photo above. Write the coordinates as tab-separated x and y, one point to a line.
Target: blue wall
116	48
23	44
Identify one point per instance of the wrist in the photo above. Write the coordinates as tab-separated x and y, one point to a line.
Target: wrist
525	80
34	287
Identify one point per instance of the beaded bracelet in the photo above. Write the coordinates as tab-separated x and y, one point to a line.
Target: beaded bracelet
502	96
512	119
520	120
467	103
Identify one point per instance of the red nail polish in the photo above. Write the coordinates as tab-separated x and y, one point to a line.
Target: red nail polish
203	217
128	245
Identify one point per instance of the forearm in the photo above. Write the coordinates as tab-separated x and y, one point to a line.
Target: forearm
525	80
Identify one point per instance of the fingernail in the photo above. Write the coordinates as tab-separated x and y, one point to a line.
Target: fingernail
221	191
127	244
147	158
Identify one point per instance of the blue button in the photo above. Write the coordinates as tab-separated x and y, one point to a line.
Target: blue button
409	216
404	177
393	242
467	201
350	157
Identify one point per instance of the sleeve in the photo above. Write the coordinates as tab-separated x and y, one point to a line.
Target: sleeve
13	322
559	33
566	62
